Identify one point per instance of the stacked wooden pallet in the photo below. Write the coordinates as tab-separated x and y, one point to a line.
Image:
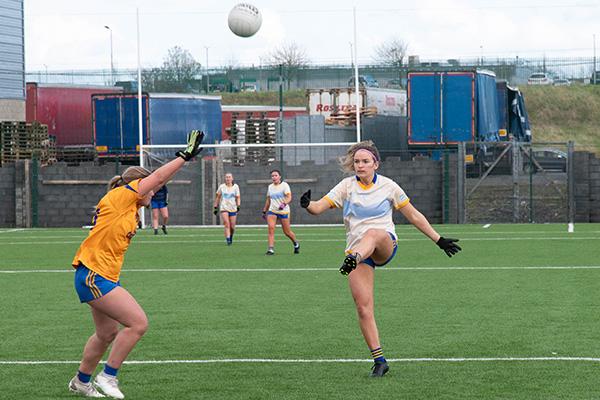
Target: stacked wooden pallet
23	140
249	128
348	118
74	155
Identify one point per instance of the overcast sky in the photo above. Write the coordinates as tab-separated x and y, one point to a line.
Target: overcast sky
70	34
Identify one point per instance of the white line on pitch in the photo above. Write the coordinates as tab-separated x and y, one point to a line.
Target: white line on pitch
318	361
167	242
186	270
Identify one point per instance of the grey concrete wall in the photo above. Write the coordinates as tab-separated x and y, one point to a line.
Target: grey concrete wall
12	110
7	196
63	204
587	187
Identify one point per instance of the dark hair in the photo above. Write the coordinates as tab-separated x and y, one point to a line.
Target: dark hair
278	172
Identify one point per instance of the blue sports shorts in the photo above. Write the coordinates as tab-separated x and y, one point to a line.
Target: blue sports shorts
90	286
158	204
230	213
282	216
372	263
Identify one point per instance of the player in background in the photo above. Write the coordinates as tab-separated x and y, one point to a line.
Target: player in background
98	263
159	203
227	203
368	200
277	207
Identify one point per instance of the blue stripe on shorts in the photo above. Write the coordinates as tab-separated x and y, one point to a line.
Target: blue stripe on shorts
372	263
282	216
90	286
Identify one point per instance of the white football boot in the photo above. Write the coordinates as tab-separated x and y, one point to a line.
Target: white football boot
85	389
109	385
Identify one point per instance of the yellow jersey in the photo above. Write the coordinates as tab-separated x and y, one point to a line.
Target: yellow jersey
114	224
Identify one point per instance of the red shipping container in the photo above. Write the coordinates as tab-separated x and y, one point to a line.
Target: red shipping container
246	112
66	109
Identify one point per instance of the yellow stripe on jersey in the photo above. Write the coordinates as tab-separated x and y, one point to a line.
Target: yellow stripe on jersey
331	203
403	204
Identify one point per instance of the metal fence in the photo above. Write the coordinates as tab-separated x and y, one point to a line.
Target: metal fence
515	70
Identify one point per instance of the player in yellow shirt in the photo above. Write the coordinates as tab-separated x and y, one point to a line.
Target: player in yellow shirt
98	264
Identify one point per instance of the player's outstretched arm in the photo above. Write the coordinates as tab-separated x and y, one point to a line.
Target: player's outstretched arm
314	207
163	174
415	217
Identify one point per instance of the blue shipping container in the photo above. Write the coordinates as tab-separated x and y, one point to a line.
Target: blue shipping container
167	120
451	107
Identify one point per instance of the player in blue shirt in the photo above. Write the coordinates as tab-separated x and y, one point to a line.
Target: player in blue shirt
159	204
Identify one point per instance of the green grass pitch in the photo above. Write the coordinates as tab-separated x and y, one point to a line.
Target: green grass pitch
515	315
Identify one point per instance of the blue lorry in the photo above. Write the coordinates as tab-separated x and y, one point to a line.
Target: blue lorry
448	107
167	118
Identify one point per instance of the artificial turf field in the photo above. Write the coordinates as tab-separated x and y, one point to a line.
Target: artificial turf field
516	315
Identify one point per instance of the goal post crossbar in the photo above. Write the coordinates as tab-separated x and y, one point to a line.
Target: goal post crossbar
247	145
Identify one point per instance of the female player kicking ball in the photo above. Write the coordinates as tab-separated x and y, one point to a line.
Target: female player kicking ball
368	199
98	264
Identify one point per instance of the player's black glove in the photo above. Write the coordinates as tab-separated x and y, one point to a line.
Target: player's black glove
237	209
305	199
448	245
194	138
264	215
215	210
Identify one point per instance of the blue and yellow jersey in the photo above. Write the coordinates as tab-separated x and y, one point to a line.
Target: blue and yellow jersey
113	225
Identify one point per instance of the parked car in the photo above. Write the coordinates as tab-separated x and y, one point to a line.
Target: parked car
562	82
550	159
539	78
364	80
396	83
597	78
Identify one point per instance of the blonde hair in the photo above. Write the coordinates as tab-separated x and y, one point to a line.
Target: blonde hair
130	174
347	162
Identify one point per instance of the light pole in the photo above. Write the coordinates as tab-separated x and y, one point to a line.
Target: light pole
481	51
112	66
207	78
594	71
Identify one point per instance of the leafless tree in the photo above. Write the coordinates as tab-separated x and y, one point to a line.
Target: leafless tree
291	56
179	73
391	52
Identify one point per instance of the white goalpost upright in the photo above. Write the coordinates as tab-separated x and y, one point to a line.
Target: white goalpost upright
140	117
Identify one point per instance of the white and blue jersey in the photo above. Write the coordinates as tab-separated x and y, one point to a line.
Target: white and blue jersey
277	195
228	197
367	206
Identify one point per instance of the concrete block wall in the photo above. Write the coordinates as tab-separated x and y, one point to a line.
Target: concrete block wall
7	196
587	187
594	174
191	194
421	180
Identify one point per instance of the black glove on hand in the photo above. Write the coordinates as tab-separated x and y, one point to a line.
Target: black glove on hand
237	209
305	199
215	210
448	245
194	138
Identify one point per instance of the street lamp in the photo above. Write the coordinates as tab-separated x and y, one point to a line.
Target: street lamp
112	67
207	78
